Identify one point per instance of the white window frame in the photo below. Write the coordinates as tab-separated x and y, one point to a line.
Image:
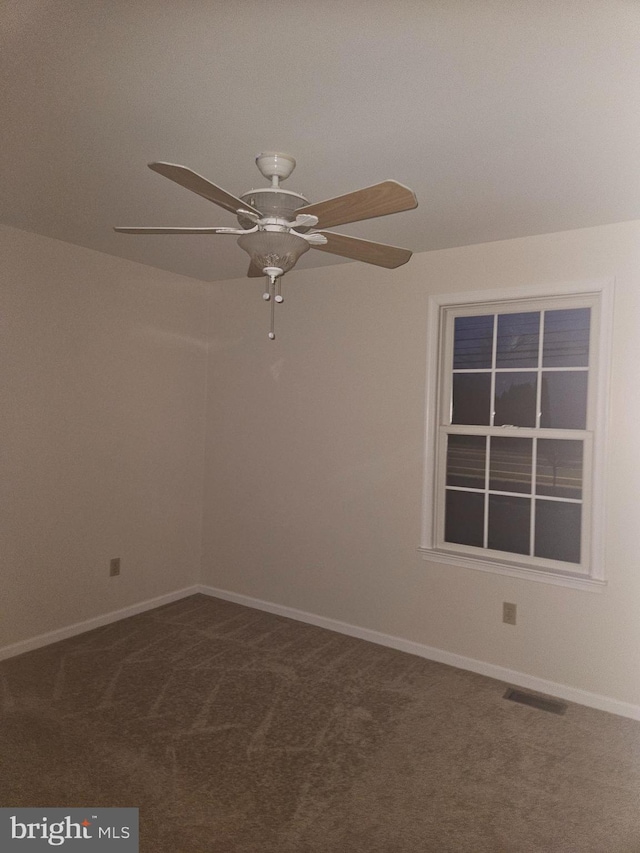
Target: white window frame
599	296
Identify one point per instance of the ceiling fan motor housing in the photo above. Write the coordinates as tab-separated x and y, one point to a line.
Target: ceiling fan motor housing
281	204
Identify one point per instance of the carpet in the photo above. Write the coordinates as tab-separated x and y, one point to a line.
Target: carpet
237	731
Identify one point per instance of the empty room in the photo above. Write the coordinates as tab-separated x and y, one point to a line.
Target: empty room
319	415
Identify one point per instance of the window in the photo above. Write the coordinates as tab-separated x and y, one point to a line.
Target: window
513	473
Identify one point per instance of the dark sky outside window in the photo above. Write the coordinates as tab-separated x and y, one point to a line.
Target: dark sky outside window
515	399
464	518
473	343
566	338
517	343
564	399
509	523
558	531
471	398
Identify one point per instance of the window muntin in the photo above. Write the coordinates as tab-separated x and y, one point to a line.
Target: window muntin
515	432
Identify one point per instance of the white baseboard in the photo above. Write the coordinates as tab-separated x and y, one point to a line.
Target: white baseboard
501	673
510	676
97	622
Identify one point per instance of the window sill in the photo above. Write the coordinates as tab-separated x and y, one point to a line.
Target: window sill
573	581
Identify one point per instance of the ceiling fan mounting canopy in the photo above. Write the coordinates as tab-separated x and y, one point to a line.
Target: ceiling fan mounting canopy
273	164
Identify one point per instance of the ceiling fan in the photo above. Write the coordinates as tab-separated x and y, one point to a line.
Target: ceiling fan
277	226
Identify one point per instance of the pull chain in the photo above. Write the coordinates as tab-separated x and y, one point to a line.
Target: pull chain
273	294
272	333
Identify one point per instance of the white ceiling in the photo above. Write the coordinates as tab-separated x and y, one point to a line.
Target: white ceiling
506	117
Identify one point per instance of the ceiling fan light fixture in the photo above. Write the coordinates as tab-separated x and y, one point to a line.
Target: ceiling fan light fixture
273	248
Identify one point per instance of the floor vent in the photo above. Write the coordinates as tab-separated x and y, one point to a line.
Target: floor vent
554	706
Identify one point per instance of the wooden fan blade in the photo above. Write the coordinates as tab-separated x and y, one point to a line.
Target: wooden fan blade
197	184
364	250
378	200
153	230
254	271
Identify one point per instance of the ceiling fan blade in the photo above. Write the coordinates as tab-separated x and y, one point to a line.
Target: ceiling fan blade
153	230
197	184
378	200
254	271
364	250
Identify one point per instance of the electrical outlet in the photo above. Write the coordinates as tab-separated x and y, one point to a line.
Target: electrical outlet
508	613
114	567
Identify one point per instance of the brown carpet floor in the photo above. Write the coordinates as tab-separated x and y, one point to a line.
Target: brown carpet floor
234	730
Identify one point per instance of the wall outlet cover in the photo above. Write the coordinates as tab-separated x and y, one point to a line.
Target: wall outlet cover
509	613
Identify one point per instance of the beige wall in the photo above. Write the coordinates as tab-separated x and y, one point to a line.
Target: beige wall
314	461
102	422
314	445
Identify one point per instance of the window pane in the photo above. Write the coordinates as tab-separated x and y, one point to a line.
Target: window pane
515	399
510	464
471	398
566	338
473	343
466	461
509	523
517	344
558	531
464	519
564	400
559	468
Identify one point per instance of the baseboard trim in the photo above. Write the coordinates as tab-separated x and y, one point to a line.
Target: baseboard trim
97	622
500	673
